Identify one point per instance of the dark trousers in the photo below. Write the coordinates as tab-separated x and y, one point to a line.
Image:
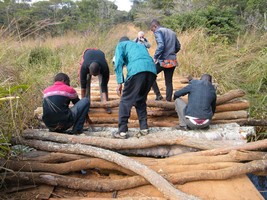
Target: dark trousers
168	74
79	112
135	92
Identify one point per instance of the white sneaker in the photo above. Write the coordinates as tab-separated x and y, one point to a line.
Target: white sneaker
120	135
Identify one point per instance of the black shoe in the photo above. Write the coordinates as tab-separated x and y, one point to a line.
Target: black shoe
73	132
159	98
108	110
182	128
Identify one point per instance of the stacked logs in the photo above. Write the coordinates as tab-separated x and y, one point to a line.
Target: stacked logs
70	154
230	108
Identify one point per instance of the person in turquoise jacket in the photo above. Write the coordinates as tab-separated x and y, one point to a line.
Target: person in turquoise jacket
141	74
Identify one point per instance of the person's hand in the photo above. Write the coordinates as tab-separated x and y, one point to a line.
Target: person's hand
141	39
119	89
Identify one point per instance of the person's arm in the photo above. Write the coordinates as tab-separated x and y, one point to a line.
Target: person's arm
160	45
146	43
83	80
119	63
182	92
177	45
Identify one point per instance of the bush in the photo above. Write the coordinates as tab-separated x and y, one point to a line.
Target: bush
220	24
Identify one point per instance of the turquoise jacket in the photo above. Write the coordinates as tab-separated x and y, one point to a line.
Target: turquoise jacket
136	59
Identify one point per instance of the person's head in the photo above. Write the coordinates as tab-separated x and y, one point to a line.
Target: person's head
154	25
206	77
124	38
94	69
62	78
141	34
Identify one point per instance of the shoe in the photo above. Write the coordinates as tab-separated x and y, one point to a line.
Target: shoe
144	132
141	133
73	132
159	98
120	135
182	128
108	110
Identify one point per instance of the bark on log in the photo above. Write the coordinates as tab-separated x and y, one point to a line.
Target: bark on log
253	122
233	106
134	181
251	146
232	94
151	140
100	164
230	115
155	179
63	168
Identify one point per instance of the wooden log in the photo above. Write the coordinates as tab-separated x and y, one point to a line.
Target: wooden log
233	106
151	176
151	140
100	164
63	168
134	181
232	94
251	146
230	115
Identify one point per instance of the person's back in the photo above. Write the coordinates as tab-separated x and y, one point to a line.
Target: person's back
200	100
169	39
198	112
137	58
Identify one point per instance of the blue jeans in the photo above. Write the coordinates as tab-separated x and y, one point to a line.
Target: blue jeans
79	112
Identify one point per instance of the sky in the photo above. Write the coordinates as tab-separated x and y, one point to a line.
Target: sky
123	5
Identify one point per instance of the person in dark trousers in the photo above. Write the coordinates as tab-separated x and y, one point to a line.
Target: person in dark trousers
94	64
142	40
165	57
57	115
141	74
198	112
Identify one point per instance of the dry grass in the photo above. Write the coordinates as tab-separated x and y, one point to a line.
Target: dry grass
241	65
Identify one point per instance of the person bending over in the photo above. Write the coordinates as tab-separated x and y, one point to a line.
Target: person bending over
141	74
94	64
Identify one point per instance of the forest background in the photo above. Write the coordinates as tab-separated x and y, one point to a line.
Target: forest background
226	38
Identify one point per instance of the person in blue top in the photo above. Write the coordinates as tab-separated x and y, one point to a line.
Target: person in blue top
198	112
141	74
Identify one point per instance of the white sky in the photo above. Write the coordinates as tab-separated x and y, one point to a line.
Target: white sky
123	4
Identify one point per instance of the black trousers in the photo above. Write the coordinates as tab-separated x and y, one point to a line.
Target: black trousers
135	92
168	74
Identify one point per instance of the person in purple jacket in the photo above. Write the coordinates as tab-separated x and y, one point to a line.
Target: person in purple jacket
58	116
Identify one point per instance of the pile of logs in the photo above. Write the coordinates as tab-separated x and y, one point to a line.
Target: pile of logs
117	174
230	107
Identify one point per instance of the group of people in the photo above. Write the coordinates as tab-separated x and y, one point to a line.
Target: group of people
133	89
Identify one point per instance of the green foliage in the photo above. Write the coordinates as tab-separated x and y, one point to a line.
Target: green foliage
220	25
44	56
